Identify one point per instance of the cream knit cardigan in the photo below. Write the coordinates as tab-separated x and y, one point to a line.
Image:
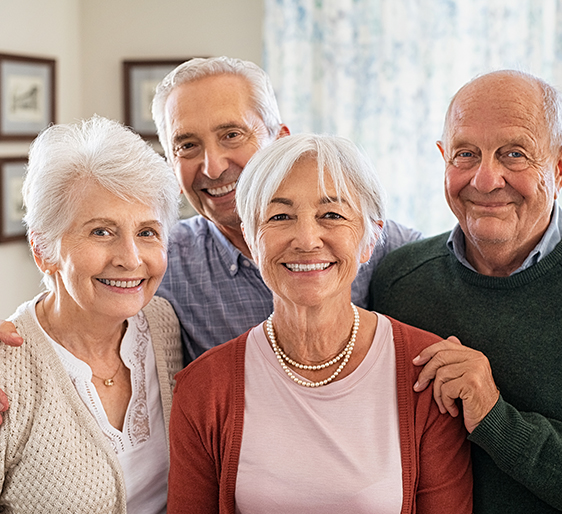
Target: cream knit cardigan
54	458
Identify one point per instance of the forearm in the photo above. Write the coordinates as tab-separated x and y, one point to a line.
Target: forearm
525	446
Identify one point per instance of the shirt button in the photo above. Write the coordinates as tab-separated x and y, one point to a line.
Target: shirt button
233	267
246	263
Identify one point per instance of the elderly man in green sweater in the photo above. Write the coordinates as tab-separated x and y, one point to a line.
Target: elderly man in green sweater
495	282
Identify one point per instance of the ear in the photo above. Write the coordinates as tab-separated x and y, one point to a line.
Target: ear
42	264
254	256
283	131
368	250
558	175
441	147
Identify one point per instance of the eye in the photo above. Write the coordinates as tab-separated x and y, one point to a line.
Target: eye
101	232
515	154
148	232
333	216
184	149
279	217
232	135
464	159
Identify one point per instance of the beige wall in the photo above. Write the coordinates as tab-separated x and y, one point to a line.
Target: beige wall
43	28
89	39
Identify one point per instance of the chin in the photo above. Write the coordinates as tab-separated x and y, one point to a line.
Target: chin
490	231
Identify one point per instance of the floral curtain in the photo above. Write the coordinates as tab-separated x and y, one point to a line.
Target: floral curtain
382	72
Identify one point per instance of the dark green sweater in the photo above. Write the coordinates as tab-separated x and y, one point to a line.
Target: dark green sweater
517	323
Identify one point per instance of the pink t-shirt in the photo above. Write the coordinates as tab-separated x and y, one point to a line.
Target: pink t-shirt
331	449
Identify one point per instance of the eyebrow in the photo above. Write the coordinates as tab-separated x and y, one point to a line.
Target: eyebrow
324	201
109	221
178	138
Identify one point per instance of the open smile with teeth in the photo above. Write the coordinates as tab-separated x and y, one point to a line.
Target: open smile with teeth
120	283
308	267
223	190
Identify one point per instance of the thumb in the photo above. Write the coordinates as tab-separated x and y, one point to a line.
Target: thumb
454	339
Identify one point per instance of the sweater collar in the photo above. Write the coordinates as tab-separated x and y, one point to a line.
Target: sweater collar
549	240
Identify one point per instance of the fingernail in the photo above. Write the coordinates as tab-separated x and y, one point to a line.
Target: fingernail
1	407
416	359
416	386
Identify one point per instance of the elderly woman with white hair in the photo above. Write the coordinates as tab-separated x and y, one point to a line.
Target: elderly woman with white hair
313	411
90	388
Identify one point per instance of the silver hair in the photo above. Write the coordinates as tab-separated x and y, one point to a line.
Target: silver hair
262	96
552	104
64	159
351	172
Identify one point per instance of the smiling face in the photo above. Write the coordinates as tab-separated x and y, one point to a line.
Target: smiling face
308	247
112	258
213	131
501	175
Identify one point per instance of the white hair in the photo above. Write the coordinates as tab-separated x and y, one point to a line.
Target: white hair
352	173
262	94
65	158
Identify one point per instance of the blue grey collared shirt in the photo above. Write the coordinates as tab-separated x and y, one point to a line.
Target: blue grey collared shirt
548	242
218	293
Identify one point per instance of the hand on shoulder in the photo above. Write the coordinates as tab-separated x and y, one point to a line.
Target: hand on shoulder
461	373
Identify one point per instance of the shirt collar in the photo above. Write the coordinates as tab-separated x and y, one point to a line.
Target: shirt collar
231	256
549	240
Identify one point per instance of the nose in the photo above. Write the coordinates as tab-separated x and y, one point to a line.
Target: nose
308	234
215	162
489	175
127	254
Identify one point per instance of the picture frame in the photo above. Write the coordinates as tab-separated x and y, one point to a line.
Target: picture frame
12	171
140	78
27	96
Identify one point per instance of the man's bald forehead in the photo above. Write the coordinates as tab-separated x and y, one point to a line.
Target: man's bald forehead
499	87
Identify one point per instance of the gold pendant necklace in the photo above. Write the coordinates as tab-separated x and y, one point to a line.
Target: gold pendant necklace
108	382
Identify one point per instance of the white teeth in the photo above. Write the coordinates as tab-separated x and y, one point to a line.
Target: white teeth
219	191
308	267
120	283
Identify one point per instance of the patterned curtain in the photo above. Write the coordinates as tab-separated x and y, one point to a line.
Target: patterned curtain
382	72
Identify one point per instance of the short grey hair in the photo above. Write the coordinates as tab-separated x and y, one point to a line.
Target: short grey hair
552	104
262	94
351	172
65	158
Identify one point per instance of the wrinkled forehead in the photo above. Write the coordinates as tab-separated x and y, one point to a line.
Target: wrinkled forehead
496	103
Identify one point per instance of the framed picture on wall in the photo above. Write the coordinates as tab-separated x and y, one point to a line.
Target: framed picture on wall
11	202
140	79
27	96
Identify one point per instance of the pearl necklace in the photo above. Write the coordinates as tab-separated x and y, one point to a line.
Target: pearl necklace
345	354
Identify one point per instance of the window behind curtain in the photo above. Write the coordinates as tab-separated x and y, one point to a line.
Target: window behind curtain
382	72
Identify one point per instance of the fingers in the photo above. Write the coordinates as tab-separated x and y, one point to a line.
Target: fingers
4	404
441	355
428	353
8	334
459	372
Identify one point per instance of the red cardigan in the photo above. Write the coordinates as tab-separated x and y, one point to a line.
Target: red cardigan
208	416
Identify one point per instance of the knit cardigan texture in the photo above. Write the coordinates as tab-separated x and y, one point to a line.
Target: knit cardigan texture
516	322
54	456
207	421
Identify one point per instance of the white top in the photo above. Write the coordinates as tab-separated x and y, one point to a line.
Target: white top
141	446
324	450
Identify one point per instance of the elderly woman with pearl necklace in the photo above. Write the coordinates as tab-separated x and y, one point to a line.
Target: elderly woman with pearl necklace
313	410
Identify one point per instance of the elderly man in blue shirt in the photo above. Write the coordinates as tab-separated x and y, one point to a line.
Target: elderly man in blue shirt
212	115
